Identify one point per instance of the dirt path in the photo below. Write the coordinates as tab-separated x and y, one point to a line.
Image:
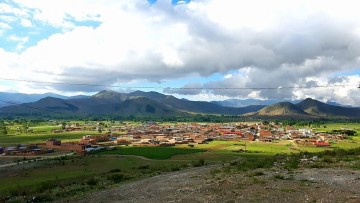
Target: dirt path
205	184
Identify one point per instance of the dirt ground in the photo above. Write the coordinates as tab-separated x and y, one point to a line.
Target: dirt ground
215	184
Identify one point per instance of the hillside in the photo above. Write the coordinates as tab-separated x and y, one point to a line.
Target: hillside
155	104
19	98
281	109
320	109
96	105
113	103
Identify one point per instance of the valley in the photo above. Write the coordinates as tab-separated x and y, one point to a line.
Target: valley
169	155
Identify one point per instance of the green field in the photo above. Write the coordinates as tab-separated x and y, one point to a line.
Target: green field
74	173
34	138
151	152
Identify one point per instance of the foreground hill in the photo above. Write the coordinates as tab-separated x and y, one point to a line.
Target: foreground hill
235	183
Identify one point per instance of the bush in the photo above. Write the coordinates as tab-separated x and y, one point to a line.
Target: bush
292	162
115	170
117	178
92	181
200	162
254	163
144	167
256	173
328	159
280	177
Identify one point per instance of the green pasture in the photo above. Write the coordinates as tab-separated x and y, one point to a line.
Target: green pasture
45	128
78	170
328	127
6	140
151	152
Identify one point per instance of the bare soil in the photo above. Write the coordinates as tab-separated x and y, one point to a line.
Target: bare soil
216	184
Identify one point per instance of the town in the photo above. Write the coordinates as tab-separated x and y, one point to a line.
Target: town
170	134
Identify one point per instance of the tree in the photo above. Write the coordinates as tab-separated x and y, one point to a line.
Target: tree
63	125
3	128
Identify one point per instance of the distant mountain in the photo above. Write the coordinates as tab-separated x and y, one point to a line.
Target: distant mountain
245	102
281	109
136	103
156	104
317	108
19	98
248	102
308	108
110	95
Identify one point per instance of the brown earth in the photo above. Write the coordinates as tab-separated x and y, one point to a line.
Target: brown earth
217	184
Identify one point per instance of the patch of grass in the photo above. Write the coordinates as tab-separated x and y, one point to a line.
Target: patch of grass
255	173
117	178
49	179
151	152
288	190
279	177
200	162
257	180
251	163
7	140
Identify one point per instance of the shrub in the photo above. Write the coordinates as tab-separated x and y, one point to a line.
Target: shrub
117	178
279	176
144	167
115	170
256	173
200	162
92	181
254	163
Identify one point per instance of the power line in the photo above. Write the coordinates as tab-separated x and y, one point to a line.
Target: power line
179	88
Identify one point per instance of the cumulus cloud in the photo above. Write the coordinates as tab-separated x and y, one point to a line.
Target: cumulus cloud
26	23
270	44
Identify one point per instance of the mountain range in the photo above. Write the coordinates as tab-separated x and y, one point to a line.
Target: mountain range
136	103
19	98
266	102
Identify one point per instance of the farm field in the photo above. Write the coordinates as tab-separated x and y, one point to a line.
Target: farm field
35	138
151	152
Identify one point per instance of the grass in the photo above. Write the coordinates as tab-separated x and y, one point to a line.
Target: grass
7	140
45	128
151	152
80	174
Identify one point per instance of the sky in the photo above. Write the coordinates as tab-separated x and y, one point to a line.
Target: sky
189	48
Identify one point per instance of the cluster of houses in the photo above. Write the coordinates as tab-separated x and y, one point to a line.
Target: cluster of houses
184	133
24	150
153	134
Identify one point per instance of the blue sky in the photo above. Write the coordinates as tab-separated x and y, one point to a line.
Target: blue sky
183	43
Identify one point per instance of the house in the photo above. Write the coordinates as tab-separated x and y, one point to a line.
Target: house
322	144
53	143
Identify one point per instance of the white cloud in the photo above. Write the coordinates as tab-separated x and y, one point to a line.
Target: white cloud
4	26
270	43
8	9
26	23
